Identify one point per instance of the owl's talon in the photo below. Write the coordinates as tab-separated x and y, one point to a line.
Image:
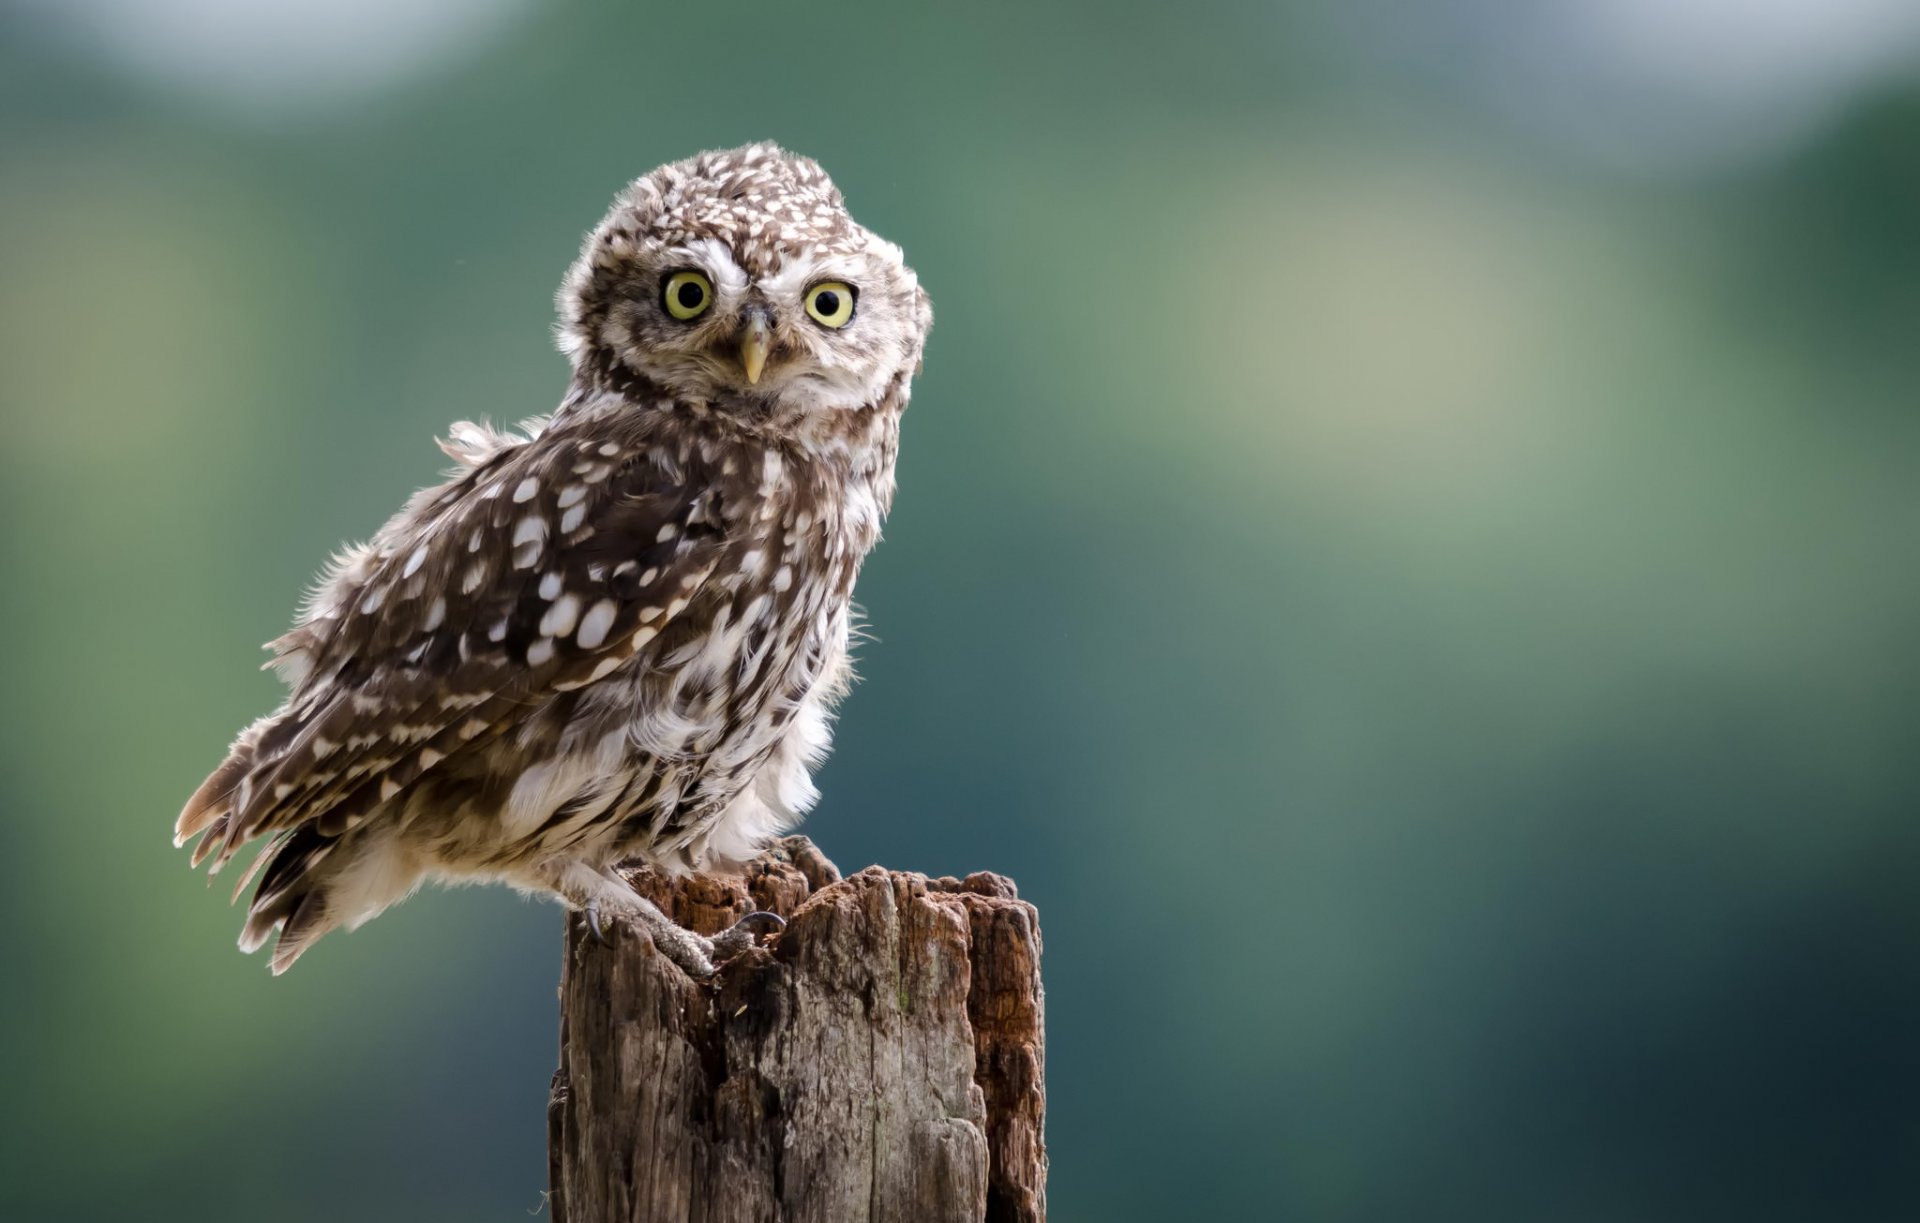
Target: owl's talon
746	933
593	924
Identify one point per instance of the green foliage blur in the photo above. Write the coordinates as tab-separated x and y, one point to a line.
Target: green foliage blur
1407	558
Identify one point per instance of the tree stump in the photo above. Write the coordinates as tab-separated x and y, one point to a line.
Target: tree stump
882	1060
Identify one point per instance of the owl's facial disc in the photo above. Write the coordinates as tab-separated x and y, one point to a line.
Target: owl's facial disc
807	328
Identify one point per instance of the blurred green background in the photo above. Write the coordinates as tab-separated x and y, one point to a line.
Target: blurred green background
1406	551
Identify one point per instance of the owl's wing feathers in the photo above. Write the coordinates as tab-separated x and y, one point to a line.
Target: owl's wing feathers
541	570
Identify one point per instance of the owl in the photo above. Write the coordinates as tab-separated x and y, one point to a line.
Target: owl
620	630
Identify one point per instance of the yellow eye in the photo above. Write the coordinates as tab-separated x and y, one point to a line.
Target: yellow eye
687	295
830	303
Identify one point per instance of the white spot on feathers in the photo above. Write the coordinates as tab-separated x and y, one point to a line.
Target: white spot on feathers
772	470
596	623
605	667
529	535
561	617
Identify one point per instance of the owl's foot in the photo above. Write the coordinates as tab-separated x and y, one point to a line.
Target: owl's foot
697	955
692	952
700	956
599	894
746	933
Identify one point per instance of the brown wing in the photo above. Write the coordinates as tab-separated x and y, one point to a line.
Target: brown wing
542	570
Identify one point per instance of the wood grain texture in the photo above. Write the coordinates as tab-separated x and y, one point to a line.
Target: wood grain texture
883	1060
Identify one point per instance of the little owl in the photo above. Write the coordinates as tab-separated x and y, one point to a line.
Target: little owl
621	631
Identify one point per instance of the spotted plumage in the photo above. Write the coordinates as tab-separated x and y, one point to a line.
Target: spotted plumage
620	631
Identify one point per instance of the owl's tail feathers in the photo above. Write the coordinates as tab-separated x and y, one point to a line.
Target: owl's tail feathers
292	899
211	803
210	809
312	883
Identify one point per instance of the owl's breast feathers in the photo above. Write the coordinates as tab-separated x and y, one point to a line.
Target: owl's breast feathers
610	554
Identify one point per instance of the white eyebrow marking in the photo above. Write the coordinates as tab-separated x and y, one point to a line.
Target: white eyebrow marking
802	268
729	279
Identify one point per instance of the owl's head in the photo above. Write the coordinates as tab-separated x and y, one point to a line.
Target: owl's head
738	278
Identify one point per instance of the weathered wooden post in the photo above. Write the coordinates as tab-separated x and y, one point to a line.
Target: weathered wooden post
882	1061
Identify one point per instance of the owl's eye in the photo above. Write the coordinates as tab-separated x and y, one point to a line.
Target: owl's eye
687	295
831	303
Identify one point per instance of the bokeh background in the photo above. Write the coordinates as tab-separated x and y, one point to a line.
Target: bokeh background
1407	552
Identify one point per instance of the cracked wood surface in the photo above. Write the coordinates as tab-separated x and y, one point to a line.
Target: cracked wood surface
882	1060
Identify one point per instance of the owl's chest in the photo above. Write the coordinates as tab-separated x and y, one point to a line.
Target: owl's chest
772	627
748	645
713	713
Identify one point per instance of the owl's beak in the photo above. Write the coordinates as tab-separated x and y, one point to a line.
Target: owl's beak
755	340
